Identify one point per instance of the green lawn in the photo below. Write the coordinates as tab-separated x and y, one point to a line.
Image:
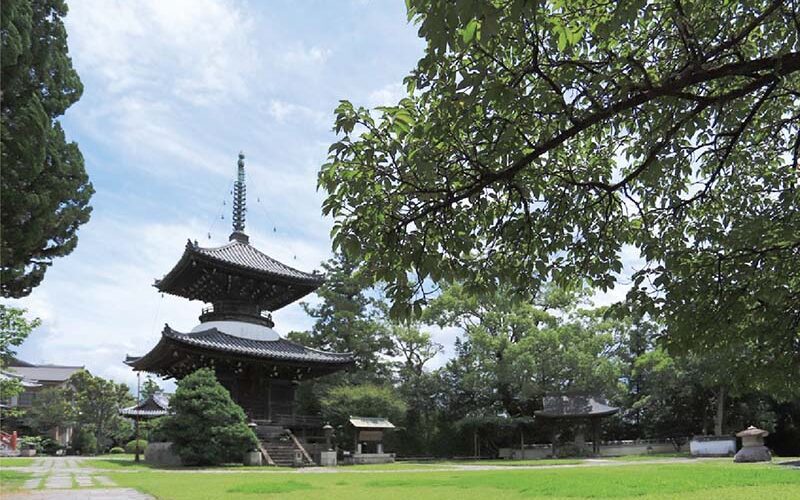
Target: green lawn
515	463
698	481
16	461
12	480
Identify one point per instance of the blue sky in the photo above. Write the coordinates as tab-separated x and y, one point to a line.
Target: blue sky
173	91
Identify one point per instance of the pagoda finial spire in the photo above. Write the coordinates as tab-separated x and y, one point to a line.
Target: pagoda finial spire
239	203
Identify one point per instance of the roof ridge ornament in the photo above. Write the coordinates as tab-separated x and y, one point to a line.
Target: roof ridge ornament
239	203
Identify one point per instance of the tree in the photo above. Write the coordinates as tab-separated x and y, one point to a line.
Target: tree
417	387
149	388
14	329
45	188
207	426
540	139
51	408
349	319
366	400
415	347
512	352
96	403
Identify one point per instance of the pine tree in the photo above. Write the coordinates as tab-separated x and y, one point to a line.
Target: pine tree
45	189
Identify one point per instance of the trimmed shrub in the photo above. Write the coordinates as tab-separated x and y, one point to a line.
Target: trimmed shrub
208	427
116	450
131	446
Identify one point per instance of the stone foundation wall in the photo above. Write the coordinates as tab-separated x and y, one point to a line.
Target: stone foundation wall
614	449
161	454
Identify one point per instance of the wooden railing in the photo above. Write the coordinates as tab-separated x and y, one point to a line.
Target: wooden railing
308	421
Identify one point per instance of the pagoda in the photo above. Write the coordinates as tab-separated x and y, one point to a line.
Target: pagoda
242	287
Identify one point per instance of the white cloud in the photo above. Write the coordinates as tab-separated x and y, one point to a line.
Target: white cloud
388	95
195	50
299	55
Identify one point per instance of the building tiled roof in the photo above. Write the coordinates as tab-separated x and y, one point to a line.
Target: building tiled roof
24	382
370	423
45	373
281	349
243	255
574	406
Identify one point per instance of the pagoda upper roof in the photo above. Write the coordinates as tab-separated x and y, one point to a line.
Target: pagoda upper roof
213	343
237	271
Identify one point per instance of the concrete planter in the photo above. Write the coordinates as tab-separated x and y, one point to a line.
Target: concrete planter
252	458
712	446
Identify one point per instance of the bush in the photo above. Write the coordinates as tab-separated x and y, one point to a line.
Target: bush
116	450
155	430
131	446
84	441
207	427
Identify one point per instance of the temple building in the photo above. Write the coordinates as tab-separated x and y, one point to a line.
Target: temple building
242	286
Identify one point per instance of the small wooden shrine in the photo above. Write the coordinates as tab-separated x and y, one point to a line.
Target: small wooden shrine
577	410
242	287
156	405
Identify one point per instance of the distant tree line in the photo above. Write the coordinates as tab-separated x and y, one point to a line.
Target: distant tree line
511	352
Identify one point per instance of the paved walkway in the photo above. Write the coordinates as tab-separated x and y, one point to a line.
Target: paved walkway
67	478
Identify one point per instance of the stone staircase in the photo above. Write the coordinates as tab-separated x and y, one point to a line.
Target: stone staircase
281	446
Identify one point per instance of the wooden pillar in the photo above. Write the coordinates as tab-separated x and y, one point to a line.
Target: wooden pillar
270	416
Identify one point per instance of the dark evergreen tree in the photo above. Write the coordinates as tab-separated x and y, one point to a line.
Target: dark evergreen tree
45	189
349	319
208	427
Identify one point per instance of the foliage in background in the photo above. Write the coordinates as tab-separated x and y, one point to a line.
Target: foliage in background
131	446
349	319
149	388
540	139
14	329
45	188
365	400
207	427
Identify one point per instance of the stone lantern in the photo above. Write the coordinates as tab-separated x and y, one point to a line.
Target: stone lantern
327	458
328	430
753	449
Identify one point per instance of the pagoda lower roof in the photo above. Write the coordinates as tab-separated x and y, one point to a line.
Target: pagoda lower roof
574	406
213	343
237	271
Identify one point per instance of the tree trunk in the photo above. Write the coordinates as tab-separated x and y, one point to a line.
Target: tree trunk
720	413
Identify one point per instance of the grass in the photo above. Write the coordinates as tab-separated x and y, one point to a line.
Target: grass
12	480
644	458
516	463
16	461
697	481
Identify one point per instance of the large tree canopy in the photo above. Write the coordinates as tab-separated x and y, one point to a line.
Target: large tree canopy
541	138
45	189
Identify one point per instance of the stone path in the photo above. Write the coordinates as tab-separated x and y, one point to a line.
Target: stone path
67	478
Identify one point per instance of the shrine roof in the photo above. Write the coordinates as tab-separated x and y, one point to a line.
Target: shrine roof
154	406
574	406
371	423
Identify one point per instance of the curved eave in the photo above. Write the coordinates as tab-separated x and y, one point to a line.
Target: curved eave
160	356
170	283
606	413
